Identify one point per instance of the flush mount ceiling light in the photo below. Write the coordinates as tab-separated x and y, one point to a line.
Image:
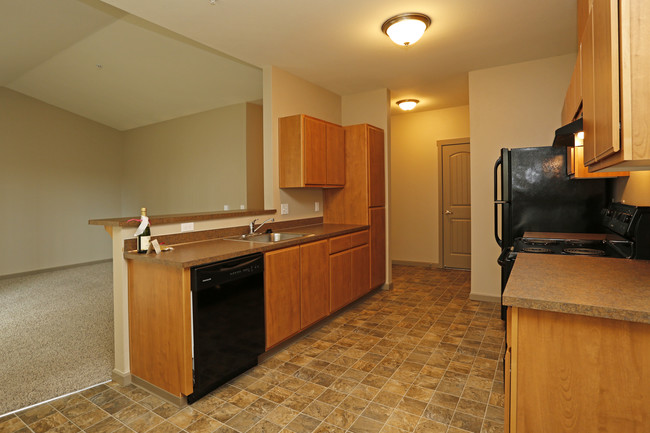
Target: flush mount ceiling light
407	104
406	29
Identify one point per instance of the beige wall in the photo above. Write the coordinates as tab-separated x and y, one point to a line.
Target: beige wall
511	106
57	171
286	95
194	163
634	190
414	186
254	157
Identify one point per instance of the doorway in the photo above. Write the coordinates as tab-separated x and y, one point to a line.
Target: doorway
455	203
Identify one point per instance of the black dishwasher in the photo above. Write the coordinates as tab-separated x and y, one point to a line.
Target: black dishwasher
227	320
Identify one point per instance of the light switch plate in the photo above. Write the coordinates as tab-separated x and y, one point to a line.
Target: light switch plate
187	227
284	209
316	206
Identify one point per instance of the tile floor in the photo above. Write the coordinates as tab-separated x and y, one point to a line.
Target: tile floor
419	358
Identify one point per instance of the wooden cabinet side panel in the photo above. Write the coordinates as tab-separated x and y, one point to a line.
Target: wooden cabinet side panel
315	148
335	155
635	78
187	376
315	287
360	274
581	373
377	177
377	246
588	96
290	136
340	280
281	294
157	326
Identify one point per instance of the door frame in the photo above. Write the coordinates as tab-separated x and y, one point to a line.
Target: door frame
441	143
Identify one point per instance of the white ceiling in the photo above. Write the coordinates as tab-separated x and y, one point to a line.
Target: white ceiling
51	50
338	44
106	65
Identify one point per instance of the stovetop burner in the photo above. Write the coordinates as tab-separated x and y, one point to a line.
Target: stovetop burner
538	250
584	251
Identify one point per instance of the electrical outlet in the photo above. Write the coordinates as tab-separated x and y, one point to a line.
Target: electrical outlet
226	207
241	206
284	209
316	206
187	227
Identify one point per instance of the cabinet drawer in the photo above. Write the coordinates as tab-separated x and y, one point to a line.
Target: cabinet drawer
340	243
359	238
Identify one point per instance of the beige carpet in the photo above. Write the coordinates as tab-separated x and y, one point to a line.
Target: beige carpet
56	334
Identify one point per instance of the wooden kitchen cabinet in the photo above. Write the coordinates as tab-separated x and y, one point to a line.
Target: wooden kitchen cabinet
576	373
160	328
362	200
312	153
616	89
296	289
349	268
281	294
576	168
314	282
573	99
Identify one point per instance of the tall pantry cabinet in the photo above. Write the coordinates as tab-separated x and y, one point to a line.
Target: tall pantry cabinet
362	200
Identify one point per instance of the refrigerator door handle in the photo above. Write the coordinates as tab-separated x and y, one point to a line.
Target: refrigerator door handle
497	202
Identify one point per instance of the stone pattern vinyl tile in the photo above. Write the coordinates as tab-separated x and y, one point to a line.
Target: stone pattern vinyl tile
419	358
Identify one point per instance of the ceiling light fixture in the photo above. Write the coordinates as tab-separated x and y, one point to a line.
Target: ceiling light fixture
406	29
407	104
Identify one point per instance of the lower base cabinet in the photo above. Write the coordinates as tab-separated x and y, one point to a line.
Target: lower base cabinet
349	268
575	373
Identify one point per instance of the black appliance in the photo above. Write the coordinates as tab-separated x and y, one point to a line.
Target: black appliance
227	320
537	195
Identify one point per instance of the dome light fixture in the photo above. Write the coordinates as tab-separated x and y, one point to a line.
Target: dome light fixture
406	29
407	104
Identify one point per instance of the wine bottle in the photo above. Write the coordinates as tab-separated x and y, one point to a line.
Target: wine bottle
144	235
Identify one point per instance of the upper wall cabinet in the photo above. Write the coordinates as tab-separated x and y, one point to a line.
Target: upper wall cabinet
312	153
615	49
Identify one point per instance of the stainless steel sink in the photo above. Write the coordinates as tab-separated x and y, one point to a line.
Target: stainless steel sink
268	237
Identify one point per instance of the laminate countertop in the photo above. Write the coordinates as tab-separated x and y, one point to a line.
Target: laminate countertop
213	250
592	286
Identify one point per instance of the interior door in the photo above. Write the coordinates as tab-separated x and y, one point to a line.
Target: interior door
456	206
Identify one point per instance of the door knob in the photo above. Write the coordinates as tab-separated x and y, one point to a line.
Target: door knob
448	212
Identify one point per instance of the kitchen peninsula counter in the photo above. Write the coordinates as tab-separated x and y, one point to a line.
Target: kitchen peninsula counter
202	252
608	288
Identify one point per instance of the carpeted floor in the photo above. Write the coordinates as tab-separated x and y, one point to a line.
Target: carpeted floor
56	334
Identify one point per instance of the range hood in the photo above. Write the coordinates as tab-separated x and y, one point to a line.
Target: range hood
564	136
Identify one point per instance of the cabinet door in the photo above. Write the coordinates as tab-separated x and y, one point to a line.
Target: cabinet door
315	148
360	276
603	115
314	276
340	280
335	155
376	181
282	294
377	246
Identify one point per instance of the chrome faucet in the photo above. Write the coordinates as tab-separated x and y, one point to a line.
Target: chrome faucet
251	226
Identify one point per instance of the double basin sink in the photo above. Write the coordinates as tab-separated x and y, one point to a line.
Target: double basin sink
268	237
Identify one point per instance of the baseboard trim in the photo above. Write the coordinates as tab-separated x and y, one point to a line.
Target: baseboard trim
56	268
159	392
120	377
485	298
418	264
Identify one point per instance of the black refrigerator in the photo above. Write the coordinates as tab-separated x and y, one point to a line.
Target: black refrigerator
532	192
